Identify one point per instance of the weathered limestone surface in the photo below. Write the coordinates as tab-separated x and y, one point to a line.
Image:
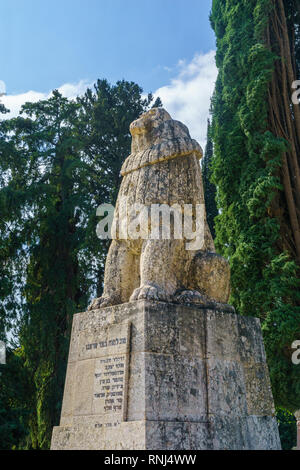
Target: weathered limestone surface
157	376
163	168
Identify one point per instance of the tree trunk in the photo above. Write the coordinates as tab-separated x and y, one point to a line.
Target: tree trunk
284	121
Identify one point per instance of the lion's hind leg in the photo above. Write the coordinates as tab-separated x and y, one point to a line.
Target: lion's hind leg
158	271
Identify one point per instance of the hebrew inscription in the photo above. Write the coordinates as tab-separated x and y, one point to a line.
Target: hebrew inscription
111	372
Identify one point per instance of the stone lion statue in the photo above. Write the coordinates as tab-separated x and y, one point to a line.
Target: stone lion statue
163	168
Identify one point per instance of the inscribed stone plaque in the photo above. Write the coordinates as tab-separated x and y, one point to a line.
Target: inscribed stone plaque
111	371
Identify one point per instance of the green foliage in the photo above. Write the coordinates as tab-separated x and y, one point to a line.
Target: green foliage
287	429
14	410
60	159
246	170
209	187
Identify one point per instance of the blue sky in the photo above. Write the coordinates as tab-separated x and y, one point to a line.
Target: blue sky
163	45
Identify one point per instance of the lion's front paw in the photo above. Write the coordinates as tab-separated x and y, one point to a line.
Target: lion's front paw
102	302
95	304
190	297
150	292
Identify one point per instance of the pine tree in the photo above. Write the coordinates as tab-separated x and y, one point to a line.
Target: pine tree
46	172
14	384
106	114
14	409
59	160
257	194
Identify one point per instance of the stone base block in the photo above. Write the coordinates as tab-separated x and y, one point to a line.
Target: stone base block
159	376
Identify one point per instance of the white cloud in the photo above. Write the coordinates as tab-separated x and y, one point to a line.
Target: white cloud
187	98
14	102
2	87
71	90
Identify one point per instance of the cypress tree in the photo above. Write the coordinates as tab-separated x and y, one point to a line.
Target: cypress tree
287	429
209	187
255	131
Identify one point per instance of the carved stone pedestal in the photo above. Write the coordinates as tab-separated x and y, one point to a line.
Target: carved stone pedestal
158	376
